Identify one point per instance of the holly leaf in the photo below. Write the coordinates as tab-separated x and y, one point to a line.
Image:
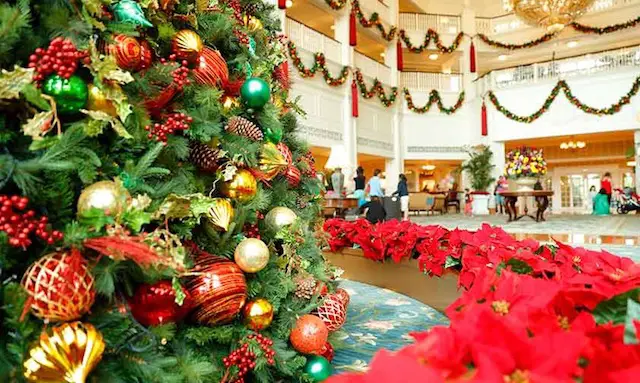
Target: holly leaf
13	82
38	125
93	128
118	75
105	67
633	315
115	123
119	100
174	207
94	7
518	266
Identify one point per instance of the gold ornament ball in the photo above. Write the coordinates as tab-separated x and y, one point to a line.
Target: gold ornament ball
243	187
251	255
97	100
279	217
108	196
258	314
66	353
220	214
187	45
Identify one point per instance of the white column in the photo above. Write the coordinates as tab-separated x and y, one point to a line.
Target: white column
498	159
468	25
394	166
280	14
636	140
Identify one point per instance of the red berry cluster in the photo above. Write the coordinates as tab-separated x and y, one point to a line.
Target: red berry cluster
245	360
180	74
237	9
175	121
20	225
242	37
251	230
60	57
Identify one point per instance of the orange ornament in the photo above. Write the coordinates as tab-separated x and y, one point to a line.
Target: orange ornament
127	51
309	335
211	69
60	286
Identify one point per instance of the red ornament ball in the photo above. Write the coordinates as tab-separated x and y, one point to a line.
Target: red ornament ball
155	304
344	296
60	286
218	289
332	312
146	55
211	68
293	176
127	51
309	335
327	351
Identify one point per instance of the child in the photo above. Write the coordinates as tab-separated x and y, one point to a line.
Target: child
468	203
375	210
592	198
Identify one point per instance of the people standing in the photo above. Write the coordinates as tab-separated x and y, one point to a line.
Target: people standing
403	192
501	185
592	197
375	210
468	203
359	179
605	185
375	185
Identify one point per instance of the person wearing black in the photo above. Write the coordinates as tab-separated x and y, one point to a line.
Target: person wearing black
375	210
359	179
403	192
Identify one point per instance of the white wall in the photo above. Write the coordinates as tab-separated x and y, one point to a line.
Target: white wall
375	128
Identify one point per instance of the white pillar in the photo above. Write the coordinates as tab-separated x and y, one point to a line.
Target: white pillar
636	140
394	166
468	25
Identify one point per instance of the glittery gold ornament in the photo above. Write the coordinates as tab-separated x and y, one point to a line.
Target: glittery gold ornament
221	214
67	353
279	217
272	161
230	103
252	23
98	101
187	45
109	196
258	314
251	255
242	187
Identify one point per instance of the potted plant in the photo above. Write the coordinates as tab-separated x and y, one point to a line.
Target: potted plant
480	168
523	166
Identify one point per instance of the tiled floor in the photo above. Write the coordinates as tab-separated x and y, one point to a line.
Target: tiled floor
619	234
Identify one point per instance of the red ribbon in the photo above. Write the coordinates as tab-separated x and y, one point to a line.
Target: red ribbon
472	53
354	99
483	115
399	57
353	38
282	4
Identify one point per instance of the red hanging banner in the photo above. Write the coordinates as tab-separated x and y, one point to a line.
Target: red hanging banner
399	57
483	114
354	99
472	53
353	38
282	4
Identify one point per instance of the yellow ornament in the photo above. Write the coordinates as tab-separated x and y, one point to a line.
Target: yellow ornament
221	214
272	161
98	101
251	255
242	187
252	23
230	103
109	196
67	353
258	314
187	45
279	217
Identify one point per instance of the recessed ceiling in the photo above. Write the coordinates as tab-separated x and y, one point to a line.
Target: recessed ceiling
313	16
482	8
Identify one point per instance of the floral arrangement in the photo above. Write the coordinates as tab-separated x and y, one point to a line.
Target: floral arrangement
522	302
525	162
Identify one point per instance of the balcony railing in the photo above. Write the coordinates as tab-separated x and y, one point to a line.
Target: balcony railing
373	69
312	41
608	61
422	22
383	10
425	82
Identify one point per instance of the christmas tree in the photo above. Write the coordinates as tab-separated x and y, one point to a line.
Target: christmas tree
157	210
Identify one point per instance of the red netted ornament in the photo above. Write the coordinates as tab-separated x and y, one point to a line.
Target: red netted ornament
327	352
332	312
60	286
344	296
293	176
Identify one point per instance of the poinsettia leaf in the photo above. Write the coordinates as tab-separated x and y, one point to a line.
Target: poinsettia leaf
451	262
519	266
614	310
13	82
38	125
115	123
633	315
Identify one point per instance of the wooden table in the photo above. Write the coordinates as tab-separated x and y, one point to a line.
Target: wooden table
341	205
541	198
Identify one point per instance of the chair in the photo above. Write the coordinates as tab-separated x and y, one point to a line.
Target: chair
452	200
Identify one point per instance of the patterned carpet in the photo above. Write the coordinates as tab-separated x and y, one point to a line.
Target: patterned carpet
378	318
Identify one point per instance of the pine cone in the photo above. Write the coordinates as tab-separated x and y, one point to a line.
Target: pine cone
204	157
252	9
305	287
243	127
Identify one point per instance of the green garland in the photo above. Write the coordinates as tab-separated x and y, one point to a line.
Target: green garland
374	20
434	98
604	30
336	5
319	64
511	47
377	88
431	35
563	86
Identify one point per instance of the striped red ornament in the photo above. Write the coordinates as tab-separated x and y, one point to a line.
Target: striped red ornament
127	51
211	68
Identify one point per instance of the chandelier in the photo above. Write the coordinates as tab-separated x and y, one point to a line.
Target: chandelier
573	145
550	14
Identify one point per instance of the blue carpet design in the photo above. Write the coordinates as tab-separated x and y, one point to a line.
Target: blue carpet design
378	318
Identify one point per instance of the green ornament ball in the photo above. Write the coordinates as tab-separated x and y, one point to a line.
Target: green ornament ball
70	94
318	368
255	92
272	135
130	12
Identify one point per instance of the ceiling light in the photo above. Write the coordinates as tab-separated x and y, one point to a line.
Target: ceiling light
564	146
433	56
550	14
631	163
502	57
446	71
581	144
573	145
428	167
572	44
382	54
289	3
333	27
